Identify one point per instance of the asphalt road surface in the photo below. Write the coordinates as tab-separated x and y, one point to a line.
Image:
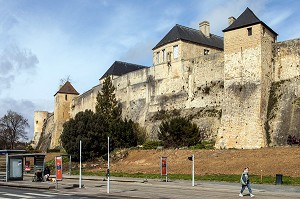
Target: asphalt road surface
13	193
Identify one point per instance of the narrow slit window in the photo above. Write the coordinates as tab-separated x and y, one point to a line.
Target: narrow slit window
175	52
66	97
249	31
157	57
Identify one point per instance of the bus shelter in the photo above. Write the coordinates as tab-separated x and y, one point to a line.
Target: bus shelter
12	163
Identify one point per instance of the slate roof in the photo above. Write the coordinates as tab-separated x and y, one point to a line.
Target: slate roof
119	68
179	32
67	88
247	18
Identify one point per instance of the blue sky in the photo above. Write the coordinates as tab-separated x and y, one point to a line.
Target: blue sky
42	42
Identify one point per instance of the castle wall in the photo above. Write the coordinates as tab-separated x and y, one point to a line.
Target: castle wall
48	133
286	59
284	100
39	119
193	87
84	101
179	86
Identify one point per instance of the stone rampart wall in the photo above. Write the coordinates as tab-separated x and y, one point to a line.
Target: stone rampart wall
84	101
286	59
47	135
284	101
195	84
39	120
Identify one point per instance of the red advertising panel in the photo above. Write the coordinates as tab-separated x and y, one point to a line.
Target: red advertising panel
58	166
164	170
27	165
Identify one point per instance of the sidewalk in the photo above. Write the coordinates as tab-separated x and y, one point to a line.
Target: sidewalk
154	188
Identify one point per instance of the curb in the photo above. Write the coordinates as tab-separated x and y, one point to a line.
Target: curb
26	186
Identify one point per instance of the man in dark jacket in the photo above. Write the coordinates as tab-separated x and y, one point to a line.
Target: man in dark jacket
245	182
46	173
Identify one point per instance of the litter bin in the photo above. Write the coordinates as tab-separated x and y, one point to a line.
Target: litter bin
278	179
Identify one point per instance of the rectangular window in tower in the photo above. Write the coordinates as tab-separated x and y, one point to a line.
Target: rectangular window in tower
206	51
36	122
157	57
163	55
66	97
249	31
175	52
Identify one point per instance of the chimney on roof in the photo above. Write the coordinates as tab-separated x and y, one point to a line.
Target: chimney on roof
231	20
205	28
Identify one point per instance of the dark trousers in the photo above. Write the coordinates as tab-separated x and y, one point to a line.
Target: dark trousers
248	186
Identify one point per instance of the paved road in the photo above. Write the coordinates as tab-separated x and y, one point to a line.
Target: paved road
31	193
154	189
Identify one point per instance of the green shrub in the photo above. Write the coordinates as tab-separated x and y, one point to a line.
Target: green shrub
151	144
179	132
205	144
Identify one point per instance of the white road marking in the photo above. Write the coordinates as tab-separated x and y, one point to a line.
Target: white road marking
57	193
17	195
38	194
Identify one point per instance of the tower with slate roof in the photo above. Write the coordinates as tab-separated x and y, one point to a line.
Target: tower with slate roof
62	103
247	79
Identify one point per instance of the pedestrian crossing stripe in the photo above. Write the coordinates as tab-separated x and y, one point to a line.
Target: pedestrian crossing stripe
17	195
57	193
38	194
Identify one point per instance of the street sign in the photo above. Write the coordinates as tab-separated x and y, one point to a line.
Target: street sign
58	166
164	167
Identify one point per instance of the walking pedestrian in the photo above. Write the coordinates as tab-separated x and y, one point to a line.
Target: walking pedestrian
245	182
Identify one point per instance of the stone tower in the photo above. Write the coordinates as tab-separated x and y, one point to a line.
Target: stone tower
247	79
39	119
62	106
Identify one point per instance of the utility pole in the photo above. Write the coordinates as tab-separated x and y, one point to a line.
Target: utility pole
80	164
193	170
192	158
108	171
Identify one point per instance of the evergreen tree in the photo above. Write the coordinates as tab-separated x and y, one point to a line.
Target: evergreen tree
107	105
93	128
179	132
87	127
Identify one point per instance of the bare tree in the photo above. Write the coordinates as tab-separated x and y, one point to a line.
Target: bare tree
3	137
12	128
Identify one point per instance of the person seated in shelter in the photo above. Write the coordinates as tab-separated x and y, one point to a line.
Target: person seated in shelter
46	173
38	176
